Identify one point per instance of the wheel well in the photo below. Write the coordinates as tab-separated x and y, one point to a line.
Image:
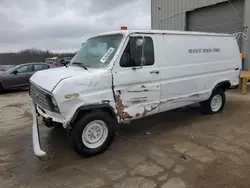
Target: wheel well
223	85
82	111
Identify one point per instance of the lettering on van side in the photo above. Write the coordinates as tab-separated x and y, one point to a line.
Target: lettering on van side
203	50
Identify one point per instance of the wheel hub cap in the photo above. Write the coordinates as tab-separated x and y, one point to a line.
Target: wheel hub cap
216	103
95	134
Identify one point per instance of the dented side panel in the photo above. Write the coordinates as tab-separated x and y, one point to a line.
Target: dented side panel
133	105
137	91
89	90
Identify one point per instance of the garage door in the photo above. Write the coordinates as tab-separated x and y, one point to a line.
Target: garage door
220	18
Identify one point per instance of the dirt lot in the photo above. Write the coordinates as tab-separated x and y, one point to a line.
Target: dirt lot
177	149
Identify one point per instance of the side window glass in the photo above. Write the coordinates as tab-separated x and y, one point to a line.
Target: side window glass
126	57
22	69
136	52
40	67
149	51
132	55
25	69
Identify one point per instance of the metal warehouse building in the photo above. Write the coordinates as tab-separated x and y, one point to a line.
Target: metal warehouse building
221	16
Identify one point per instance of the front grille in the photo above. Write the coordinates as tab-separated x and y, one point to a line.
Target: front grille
39	96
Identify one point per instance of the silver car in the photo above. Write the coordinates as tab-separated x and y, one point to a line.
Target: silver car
18	76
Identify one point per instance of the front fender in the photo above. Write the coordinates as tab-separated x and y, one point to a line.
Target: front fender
92	107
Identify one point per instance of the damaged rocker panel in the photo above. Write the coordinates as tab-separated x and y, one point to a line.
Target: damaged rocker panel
125	115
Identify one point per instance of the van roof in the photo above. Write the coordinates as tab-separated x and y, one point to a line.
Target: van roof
170	32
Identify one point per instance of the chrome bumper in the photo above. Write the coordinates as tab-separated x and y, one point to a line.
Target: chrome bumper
35	135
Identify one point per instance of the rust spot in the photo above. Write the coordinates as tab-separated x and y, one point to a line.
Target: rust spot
121	107
145	112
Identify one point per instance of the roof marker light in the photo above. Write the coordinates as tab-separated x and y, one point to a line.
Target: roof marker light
124	28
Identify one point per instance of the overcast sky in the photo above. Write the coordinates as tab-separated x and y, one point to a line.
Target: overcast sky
62	25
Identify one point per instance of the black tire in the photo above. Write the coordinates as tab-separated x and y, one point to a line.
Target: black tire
1	88
206	106
78	128
58	126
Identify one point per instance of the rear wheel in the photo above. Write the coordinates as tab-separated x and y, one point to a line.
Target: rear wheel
93	133
215	103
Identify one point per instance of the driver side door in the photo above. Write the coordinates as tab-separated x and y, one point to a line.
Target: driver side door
137	87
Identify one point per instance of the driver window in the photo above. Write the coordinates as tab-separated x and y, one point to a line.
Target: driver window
132	55
25	69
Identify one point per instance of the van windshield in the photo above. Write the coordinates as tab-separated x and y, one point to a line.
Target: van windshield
97	52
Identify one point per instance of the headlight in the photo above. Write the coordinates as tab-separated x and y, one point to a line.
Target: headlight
54	105
53	100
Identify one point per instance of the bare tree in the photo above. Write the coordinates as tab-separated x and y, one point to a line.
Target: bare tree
29	55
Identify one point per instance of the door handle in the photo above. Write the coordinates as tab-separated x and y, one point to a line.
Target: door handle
154	72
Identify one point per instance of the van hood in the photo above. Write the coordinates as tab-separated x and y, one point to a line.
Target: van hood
48	79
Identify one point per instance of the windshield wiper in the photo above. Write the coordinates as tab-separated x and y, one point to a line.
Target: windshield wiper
80	64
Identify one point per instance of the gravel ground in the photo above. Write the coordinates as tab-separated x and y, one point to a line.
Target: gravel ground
177	149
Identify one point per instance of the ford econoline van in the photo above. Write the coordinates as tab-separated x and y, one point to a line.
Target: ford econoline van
121	76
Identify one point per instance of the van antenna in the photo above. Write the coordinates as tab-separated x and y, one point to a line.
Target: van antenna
242	34
236	12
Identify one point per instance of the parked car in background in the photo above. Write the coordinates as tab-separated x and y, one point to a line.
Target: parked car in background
5	67
58	62
18	76
67	59
52	59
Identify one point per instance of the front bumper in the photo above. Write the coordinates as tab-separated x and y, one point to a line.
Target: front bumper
35	135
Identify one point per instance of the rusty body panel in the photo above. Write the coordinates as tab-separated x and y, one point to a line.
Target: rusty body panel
121	107
146	111
134	108
136	90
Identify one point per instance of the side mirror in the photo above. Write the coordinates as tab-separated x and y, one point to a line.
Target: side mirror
15	72
139	43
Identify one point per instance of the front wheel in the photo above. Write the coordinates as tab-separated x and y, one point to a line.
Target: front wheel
215	103
93	133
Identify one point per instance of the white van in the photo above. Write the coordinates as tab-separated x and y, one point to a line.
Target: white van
121	76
